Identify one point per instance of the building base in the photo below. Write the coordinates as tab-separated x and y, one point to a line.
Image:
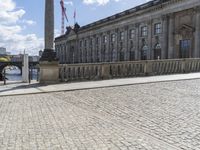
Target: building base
49	72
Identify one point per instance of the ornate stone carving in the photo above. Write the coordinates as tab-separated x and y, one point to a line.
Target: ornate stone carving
185	31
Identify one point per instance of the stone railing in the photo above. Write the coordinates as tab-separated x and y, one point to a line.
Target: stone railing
99	71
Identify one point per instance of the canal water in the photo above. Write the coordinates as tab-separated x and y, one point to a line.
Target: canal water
15	75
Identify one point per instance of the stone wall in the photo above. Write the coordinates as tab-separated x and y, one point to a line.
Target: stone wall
98	71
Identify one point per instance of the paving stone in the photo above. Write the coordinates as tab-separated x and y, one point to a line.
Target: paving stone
156	116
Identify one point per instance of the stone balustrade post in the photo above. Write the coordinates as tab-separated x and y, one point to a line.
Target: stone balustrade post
184	64
105	71
148	68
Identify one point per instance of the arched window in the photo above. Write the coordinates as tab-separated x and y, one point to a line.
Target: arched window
144	52
157	51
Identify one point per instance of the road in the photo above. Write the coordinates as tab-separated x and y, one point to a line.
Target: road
153	116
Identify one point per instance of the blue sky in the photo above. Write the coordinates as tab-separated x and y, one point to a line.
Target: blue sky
21	21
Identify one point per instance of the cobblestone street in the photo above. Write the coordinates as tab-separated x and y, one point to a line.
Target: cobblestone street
154	116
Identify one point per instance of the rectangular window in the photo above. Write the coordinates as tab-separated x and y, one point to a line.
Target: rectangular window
104	39
132	34
113	37
157	28
121	36
185	46
144	31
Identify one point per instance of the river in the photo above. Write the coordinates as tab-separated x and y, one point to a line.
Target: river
14	75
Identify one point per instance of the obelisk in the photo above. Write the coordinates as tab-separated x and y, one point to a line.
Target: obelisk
49	69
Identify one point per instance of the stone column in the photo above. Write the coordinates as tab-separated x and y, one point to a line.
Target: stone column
49	68
25	69
137	35
150	52
126	40
107	52
94	49
164	44
197	34
171	37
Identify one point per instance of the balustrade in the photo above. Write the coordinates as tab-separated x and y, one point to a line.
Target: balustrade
99	71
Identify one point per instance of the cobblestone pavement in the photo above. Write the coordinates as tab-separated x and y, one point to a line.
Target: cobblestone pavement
156	116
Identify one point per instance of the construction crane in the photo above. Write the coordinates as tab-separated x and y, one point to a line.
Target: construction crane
64	16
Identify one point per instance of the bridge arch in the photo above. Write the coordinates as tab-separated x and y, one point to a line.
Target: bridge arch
10	64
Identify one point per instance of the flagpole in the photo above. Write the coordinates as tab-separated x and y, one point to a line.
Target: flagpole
74	16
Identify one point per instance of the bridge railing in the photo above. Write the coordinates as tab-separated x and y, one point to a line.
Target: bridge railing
98	71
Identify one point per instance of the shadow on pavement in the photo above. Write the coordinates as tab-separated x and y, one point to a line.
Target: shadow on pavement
10	86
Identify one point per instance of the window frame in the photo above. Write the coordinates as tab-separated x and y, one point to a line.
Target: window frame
132	34
121	36
144	31
157	28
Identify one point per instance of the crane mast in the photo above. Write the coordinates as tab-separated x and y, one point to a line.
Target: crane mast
63	17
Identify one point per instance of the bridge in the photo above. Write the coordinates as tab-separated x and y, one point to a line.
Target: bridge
32	65
17	60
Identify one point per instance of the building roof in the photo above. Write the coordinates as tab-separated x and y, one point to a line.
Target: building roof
121	14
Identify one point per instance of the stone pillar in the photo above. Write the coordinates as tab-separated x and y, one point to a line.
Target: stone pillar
197	34
150	52
137	35
25	69
49	68
126	40
171	37
164	45
100	47
107	52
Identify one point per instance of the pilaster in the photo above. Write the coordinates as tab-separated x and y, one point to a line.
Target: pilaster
197	34
164	45
171	36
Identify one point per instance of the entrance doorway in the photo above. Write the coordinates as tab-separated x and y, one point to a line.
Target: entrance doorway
144	52
185	47
157	51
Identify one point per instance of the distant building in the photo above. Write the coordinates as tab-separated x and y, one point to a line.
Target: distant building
2	51
8	53
17	58
40	53
34	58
159	29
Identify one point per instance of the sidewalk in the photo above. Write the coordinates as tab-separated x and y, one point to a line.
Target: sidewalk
18	88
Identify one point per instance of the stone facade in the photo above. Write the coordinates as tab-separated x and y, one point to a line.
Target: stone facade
160	29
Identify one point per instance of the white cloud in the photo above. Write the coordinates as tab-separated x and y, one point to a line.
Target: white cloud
99	2
29	22
69	3
12	25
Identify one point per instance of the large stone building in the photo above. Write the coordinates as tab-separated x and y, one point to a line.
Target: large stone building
159	29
